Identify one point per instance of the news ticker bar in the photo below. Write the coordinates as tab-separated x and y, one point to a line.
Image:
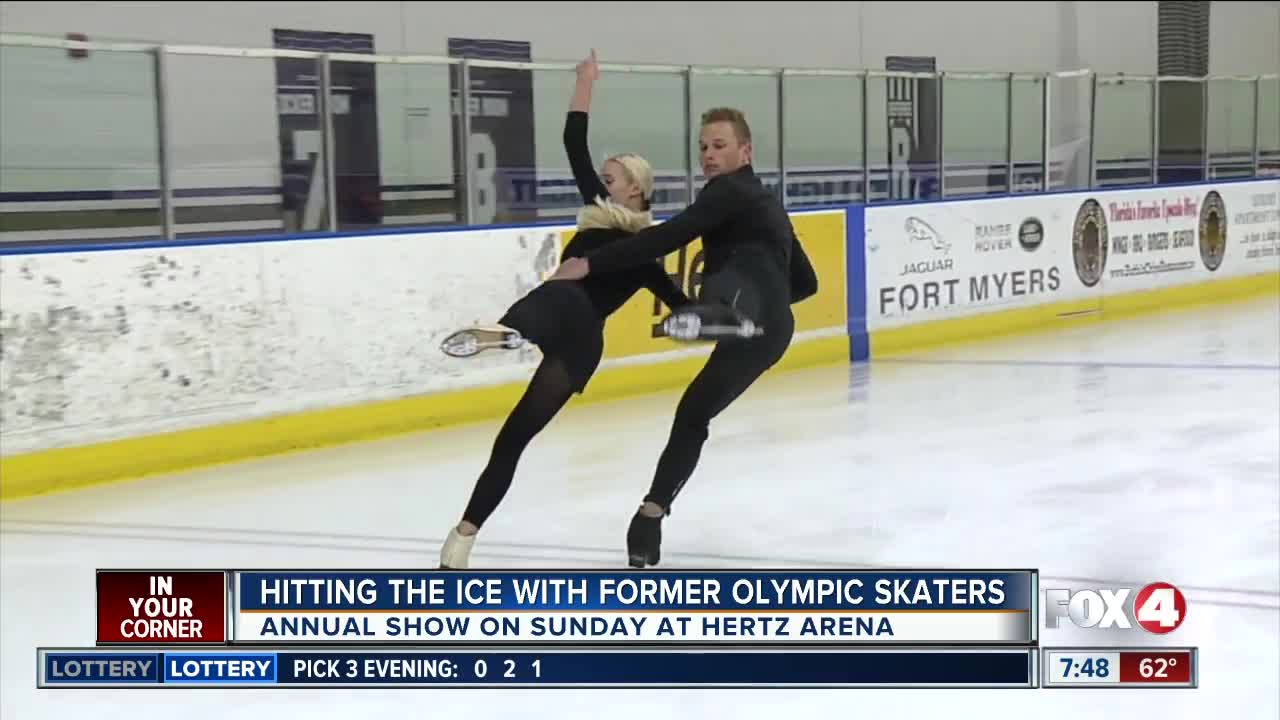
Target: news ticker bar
557	667
555	607
619	668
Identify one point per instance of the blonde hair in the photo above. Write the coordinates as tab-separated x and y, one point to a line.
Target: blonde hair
638	171
734	117
606	213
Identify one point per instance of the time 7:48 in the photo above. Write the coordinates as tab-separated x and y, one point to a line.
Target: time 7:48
1099	667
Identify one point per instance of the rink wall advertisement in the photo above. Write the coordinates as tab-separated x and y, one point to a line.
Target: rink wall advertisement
940	261
112	343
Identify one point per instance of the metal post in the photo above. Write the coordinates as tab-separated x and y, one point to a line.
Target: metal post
782	141
866	160
1008	137
1204	129
1155	131
1093	129
1257	126
326	136
1045	140
1155	135
164	147
688	134
464	141
942	170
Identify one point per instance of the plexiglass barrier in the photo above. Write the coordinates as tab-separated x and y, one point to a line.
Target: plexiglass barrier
111	141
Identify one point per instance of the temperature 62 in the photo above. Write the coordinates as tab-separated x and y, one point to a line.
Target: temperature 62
1157	667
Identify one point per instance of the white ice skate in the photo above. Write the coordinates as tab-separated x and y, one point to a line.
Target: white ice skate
456	553
475	340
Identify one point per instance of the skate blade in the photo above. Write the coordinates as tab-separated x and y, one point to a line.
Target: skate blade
640	561
688	327
473	341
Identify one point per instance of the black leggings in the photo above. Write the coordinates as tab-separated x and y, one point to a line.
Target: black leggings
549	390
559	318
734	365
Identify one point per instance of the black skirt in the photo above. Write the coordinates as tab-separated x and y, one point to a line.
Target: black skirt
559	318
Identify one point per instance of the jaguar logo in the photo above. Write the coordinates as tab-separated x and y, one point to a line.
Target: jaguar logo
919	231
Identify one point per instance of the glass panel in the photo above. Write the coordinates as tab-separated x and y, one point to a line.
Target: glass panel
502	172
79	147
1028	134
1122	132
1269	127
902	137
1182	151
1231	128
246	145
822	136
638	113
1069	132
975	132
757	97
876	123
393	139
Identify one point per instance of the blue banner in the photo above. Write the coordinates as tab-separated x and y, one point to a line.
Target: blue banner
220	668
569	668
727	591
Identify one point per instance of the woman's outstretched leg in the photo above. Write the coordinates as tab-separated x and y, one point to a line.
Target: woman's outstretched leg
549	390
538	318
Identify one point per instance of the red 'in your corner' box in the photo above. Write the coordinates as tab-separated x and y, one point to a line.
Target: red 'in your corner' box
150	607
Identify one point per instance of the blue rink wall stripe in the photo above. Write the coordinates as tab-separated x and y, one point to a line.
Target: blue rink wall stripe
1088	364
856	283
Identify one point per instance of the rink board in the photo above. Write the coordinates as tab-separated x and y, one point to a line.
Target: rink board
953	271
946	272
121	362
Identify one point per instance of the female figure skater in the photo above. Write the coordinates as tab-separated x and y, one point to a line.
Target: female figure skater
565	319
754	271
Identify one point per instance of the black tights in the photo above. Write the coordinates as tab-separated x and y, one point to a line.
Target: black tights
732	368
557	317
548	391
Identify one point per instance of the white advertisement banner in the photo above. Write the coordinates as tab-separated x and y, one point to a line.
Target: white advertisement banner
939	261
935	261
1134	240
1252	216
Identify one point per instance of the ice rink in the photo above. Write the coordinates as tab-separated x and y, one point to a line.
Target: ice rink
1124	452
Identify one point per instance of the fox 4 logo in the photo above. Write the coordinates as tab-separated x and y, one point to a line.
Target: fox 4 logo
1158	608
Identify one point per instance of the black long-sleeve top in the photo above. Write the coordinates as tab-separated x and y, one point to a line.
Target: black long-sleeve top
734	211
609	290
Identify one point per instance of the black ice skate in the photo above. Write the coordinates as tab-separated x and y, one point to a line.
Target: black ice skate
709	323
644	540
475	340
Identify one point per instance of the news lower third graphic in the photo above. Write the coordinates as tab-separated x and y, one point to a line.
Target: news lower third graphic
675	629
